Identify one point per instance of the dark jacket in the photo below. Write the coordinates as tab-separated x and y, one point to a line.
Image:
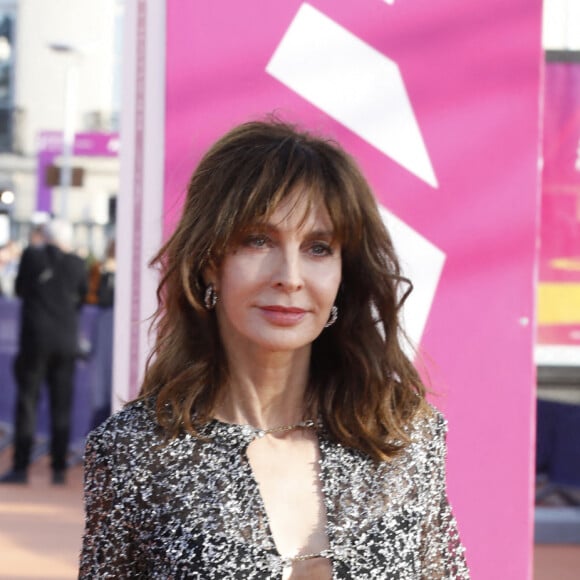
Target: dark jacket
52	285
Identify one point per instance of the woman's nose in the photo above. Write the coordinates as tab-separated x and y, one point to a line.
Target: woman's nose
288	271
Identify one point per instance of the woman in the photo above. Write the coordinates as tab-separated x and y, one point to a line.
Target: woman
281	432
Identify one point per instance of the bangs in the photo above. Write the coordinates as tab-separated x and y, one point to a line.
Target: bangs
288	169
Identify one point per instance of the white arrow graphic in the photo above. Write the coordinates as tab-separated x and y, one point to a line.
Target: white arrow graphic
353	83
422	262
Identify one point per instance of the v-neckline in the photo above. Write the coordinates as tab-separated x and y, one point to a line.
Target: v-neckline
246	434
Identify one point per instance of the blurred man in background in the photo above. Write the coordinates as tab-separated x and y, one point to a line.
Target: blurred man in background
52	283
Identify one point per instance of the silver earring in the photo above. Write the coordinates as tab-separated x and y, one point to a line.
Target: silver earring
210	299
333	316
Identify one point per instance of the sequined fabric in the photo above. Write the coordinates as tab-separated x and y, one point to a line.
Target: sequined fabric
192	508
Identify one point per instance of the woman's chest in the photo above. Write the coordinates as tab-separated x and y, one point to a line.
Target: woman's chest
237	515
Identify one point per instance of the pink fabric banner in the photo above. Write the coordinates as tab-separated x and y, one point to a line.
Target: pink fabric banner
439	102
559	280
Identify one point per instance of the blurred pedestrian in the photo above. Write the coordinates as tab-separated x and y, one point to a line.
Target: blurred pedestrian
9	260
52	283
102	294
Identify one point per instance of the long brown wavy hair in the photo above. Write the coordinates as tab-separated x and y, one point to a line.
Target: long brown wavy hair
361	383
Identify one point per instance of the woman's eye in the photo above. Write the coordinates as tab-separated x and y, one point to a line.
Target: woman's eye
256	241
321	249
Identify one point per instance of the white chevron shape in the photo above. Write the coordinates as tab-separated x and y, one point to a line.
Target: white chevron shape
353	83
422	262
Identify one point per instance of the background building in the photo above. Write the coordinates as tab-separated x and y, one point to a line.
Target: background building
59	69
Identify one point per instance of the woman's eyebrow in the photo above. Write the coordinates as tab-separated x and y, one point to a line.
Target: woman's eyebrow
261	226
270	227
328	234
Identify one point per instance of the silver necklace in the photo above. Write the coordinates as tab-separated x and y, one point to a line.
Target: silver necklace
308	424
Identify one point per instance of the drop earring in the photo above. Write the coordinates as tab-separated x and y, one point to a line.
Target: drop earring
210	299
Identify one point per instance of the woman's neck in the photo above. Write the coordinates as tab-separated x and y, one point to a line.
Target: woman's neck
266	392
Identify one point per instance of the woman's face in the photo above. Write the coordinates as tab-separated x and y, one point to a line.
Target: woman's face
277	285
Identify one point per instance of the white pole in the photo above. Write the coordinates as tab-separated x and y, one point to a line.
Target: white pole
70	108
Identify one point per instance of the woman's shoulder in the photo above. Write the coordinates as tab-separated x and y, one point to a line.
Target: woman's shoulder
135	420
428	424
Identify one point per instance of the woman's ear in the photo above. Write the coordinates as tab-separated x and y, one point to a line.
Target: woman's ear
209	274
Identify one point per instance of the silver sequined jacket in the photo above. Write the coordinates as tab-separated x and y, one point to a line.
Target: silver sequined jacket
192	509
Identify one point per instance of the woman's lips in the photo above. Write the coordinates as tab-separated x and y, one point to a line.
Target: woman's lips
283	315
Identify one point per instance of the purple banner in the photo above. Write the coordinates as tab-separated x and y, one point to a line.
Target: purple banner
50	147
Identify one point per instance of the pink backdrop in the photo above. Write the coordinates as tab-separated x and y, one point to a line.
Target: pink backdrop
471	73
